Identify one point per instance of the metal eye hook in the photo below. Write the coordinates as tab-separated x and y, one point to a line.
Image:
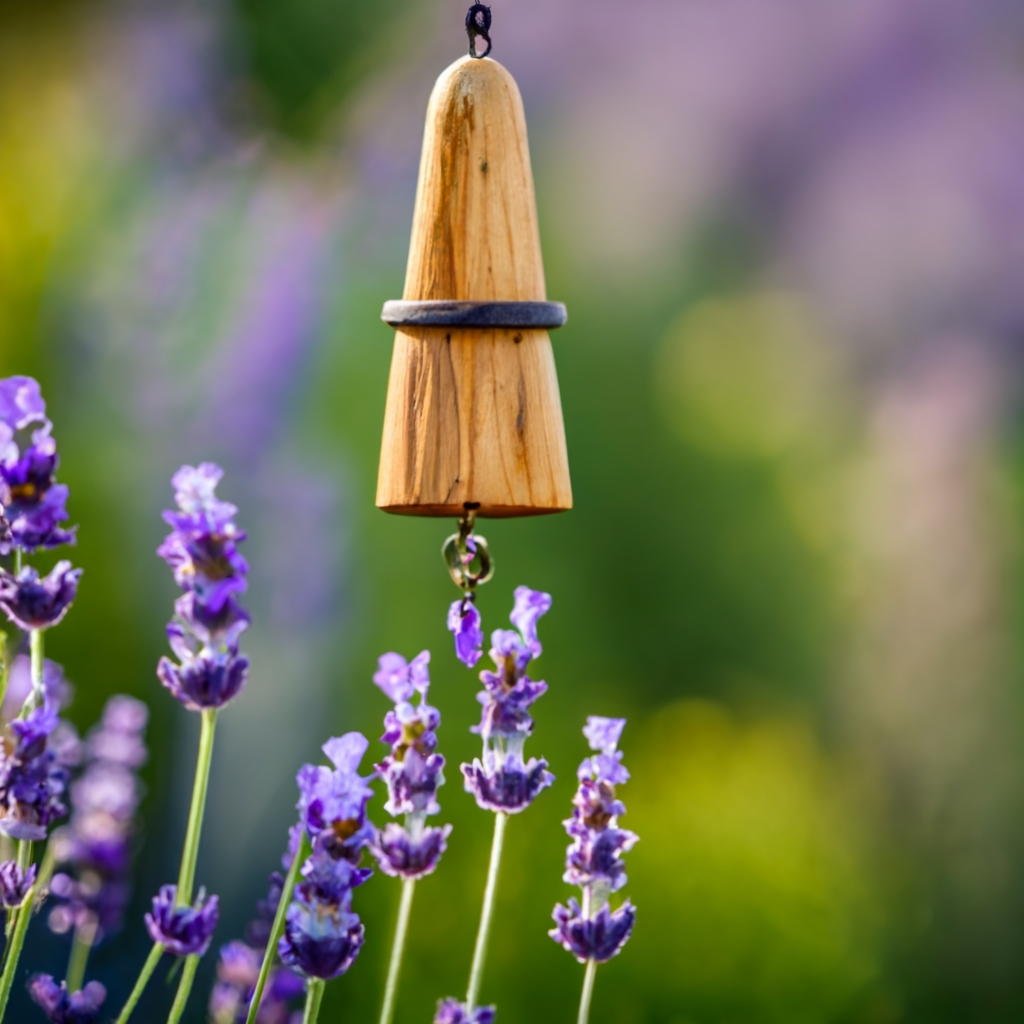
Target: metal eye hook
478	23
464	548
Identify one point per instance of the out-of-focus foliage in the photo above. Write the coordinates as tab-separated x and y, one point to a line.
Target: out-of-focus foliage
789	239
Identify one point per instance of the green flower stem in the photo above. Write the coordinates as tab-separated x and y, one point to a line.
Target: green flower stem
187	874
391	988
588	992
278	927
5	665
314	996
476	972
36	664
81	947
14	950
188	975
44	874
144	975
25	847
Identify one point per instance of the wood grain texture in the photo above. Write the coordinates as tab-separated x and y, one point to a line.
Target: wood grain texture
474	415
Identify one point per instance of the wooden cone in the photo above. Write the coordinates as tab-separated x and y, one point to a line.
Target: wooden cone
473	415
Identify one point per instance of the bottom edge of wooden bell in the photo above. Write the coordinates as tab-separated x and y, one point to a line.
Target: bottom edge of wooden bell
483	511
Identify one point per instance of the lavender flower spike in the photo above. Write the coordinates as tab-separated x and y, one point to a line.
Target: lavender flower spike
238	972
595	933
202	551
202	547
33	501
62	1007
451	1011
501	780
182	931
332	803
15	883
31	602
32	781
97	842
322	936
412	771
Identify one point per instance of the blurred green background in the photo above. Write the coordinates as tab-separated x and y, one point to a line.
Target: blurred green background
790	239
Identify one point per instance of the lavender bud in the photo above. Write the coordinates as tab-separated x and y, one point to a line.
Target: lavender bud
465	624
34	602
182	931
403	854
15	883
599	937
33	502
451	1011
62	1007
332	804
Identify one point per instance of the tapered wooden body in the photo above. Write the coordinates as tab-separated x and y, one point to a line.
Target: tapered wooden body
473	415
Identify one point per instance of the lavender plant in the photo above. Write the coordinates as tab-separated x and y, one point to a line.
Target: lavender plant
315	930
593	932
412	773
238	971
96	844
32	776
500	780
202	551
307	918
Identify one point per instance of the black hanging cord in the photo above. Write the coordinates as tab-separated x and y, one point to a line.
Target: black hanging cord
478	24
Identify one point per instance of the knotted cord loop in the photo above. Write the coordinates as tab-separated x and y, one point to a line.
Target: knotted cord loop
478	23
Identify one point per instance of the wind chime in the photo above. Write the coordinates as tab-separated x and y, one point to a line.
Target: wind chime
473	428
473	423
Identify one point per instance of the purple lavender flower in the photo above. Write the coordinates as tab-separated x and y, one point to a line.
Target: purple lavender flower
594	857
403	853
32	781
21	405
56	688
97	840
451	1011
63	1007
412	771
202	547
182	931
529	606
399	678
209	680
31	602
332	803
464	623
15	883
322	937
202	552
599	937
500	779
238	970
509	786
32	500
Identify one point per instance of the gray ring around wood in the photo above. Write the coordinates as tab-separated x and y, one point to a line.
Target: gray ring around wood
449	313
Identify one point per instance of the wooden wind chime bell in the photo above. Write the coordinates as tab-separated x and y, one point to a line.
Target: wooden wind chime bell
473	419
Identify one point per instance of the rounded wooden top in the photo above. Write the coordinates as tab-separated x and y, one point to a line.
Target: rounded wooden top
475	235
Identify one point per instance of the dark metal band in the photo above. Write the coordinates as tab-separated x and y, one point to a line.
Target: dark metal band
445	313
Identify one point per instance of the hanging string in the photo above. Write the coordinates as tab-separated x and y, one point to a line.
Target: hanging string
478	24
